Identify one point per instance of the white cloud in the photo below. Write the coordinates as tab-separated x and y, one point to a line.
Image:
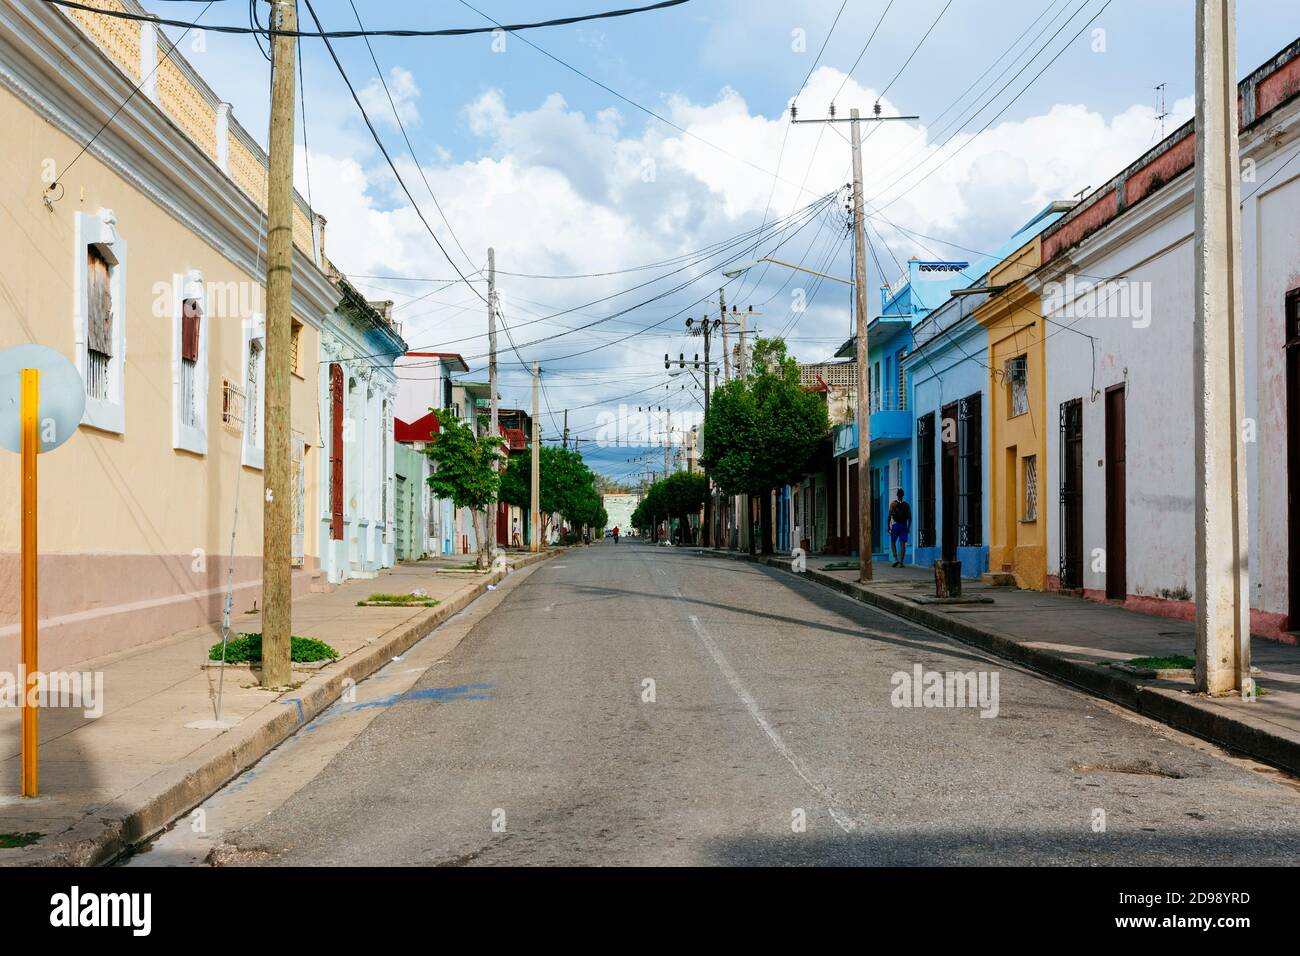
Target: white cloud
404	91
557	191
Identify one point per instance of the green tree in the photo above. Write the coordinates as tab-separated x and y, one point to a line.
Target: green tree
464	471
565	487
763	431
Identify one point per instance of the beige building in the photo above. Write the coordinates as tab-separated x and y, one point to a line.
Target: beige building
144	265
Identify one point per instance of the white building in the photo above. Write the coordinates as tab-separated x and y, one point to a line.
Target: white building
1118	283
358	392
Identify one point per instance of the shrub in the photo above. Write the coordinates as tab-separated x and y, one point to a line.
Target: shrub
247	649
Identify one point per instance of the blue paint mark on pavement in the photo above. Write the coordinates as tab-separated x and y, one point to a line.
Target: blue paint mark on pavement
439	694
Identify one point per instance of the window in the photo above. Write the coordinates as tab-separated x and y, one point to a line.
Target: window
1031	488
254	375
875	387
902	380
925	501
190	364
100	319
1018	385
295	337
232	406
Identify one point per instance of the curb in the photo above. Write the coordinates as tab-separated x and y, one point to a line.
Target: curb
1243	734
151	805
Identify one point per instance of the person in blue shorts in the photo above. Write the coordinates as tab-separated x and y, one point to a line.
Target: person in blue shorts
900	526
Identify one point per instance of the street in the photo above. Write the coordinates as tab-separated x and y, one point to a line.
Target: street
768	736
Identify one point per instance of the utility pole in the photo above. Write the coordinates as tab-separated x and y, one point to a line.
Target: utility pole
1222	579
705	329
277	505
534	544
492	335
726	352
490	518
860	329
565	440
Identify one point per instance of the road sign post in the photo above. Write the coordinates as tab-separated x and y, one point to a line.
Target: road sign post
42	399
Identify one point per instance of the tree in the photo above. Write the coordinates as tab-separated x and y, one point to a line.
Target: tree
565	487
763	431
680	495
464	471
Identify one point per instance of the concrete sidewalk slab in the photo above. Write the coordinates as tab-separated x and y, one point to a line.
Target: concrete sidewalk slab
1077	641
107	782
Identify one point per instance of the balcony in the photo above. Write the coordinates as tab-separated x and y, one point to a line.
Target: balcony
890	418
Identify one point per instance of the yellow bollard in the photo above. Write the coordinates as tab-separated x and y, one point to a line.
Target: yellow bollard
31	379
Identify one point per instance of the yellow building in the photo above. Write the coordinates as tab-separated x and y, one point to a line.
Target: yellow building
144	265
1017	420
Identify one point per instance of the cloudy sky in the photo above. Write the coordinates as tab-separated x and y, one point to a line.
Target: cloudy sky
612	225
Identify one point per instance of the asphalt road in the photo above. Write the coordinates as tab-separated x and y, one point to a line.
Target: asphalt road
772	738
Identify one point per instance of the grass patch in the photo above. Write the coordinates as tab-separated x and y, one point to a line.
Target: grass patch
12	841
1174	662
841	566
398	600
247	649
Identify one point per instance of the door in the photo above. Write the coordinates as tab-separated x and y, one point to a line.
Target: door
925	481
1116	497
1293	457
336	451
1072	493
298	475
948	480
876	521
401	519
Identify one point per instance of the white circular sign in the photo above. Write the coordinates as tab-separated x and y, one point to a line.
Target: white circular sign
62	397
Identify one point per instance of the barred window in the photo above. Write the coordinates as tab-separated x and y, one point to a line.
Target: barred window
1018	385
1031	488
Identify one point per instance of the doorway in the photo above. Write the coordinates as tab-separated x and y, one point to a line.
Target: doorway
1116	497
948	481
1072	494
1293	457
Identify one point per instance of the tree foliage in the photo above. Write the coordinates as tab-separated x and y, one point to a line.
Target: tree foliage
679	495
464	471
763	430
566	486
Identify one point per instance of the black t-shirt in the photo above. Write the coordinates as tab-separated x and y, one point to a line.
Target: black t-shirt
900	512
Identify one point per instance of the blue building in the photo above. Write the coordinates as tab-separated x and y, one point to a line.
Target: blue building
926	286
948	369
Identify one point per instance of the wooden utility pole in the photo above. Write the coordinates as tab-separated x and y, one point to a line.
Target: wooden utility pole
726	352
277	506
1222	581
565	441
534	543
863	410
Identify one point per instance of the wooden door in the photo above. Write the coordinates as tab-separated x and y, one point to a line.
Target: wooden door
1072	493
1116	497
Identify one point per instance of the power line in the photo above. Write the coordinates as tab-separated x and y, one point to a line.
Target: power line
419	167
383	149
349	34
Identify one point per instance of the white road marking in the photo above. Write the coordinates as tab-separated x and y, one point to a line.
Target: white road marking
844	821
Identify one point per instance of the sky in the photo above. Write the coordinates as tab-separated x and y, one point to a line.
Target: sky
612	226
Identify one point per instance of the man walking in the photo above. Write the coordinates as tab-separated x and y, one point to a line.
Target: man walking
900	526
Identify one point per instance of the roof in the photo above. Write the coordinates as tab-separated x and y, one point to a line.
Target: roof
422	429
459	363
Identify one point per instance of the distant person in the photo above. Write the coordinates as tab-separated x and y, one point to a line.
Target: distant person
514	534
616	534
900	526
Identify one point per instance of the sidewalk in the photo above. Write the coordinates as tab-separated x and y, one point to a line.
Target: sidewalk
1077	641
109	782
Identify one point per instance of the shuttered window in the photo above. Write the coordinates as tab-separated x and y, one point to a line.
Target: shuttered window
99	323
191	316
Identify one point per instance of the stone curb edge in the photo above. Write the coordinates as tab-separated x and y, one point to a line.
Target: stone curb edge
1250	736
171	792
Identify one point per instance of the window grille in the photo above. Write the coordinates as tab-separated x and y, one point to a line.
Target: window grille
1018	383
1031	488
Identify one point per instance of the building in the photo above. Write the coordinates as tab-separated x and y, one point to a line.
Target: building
618	509
1016	419
951	395
424	388
358	394
923	288
1116	287
144	265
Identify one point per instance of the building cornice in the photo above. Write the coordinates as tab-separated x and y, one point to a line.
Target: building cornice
48	63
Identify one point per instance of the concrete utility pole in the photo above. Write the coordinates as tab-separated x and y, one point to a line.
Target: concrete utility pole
492	336
860	329
860	333
565	439
277	506
726	352
1222	581
534	544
